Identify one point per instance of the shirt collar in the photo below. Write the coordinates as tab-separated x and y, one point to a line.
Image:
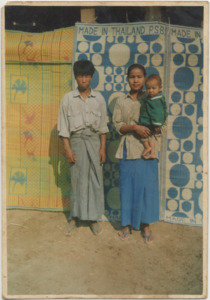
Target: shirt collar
156	96
142	96
76	93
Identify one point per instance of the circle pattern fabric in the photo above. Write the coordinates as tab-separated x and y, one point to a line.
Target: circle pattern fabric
176	54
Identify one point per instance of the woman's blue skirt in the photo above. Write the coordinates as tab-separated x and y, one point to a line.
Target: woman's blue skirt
139	191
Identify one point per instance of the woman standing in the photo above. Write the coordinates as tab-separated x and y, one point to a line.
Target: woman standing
139	191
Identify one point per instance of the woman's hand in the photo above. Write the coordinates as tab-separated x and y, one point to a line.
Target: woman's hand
157	130
141	131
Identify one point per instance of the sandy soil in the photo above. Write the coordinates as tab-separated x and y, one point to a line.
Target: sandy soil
43	261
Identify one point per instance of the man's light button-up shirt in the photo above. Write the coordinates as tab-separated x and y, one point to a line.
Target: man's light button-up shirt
76	113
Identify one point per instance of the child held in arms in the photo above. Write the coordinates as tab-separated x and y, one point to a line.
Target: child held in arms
153	114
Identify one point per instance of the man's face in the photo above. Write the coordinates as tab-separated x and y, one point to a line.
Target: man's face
83	81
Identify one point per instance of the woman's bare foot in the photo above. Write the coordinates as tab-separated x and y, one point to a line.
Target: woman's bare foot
125	233
147	235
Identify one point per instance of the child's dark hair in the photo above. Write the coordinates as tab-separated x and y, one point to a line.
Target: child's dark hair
134	66
83	67
156	77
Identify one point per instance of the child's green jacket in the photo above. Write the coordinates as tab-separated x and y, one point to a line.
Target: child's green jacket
153	111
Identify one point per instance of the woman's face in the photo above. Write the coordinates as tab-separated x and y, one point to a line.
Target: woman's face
136	79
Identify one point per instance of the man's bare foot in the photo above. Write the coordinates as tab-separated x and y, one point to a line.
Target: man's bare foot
71	226
96	228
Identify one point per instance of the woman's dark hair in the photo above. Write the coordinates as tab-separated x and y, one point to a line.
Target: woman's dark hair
134	66
83	67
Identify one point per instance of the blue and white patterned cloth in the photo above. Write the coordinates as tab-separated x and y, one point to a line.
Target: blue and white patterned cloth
176	54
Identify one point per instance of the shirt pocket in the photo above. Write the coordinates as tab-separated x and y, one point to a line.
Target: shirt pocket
75	120
95	118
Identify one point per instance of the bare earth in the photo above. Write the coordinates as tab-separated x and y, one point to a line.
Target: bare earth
43	261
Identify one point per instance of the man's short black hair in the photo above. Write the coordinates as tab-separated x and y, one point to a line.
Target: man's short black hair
83	67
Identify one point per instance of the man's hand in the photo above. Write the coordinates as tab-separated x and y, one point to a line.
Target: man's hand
102	151
70	156
102	156
68	153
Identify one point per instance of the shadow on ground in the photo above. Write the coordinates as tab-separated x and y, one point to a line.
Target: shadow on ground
43	261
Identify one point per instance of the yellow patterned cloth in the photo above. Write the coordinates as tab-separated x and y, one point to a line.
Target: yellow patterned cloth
38	74
48	47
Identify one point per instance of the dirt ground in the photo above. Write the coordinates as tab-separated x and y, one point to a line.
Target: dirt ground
41	260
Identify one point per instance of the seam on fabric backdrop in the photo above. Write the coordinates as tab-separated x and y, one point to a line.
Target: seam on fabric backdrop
163	152
42	46
73	56
40	182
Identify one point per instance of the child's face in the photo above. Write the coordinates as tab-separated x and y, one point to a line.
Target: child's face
83	81
153	87
136	79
